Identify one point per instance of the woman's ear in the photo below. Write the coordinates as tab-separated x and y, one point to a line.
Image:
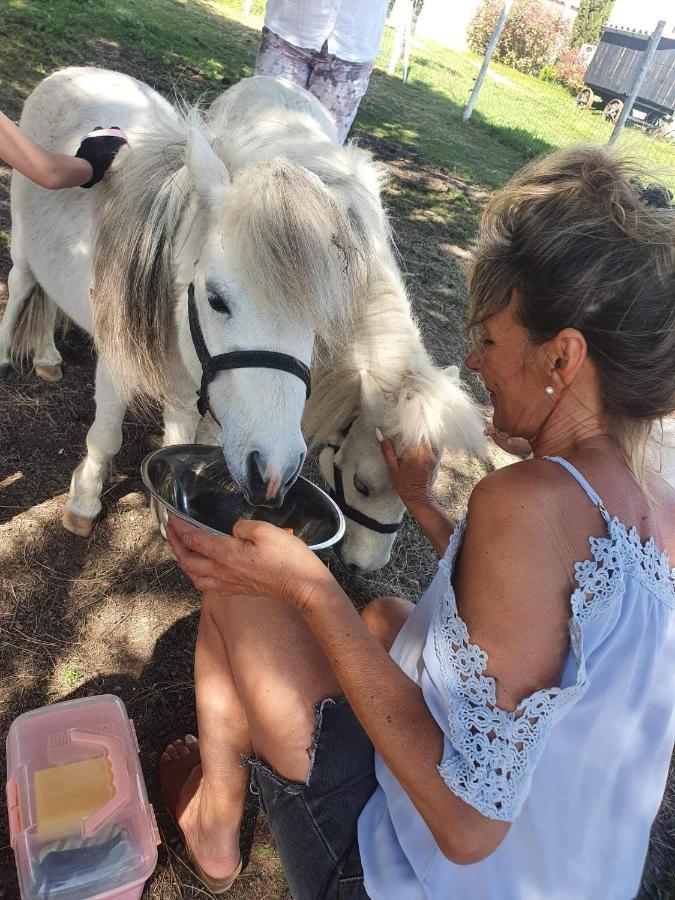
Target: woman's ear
566	355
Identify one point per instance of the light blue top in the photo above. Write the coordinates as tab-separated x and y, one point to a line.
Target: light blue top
578	769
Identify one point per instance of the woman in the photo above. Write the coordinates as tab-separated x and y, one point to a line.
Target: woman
521	713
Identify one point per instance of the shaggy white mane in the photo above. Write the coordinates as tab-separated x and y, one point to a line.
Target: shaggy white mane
388	376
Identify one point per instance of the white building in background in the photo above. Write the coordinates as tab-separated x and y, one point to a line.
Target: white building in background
445	21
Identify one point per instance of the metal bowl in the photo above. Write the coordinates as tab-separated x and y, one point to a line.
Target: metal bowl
192	481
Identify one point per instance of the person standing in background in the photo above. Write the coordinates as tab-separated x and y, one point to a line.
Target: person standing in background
327	47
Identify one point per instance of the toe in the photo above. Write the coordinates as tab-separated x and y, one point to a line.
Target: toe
183	749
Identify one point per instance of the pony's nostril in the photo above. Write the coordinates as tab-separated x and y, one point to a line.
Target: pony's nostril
293	477
256	486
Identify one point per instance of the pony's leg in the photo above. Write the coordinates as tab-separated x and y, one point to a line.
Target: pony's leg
104	440
47	359
20	283
180	425
208	432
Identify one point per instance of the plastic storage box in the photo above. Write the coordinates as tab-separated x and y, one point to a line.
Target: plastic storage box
80	823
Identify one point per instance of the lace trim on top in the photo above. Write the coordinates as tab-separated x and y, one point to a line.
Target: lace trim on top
496	750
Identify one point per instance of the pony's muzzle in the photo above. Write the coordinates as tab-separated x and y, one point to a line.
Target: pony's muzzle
264	485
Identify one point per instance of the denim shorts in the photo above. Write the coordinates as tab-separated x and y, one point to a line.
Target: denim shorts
314	823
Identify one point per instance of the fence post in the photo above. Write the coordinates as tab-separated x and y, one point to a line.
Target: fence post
466	115
403	13
247	7
642	71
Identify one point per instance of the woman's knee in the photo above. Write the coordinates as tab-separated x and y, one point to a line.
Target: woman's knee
384	618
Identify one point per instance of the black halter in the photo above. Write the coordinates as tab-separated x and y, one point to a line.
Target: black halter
237	359
338	495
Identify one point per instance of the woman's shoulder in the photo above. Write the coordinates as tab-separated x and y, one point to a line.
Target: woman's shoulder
513	579
528	486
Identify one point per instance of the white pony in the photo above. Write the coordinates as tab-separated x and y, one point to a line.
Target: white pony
222	253
385	381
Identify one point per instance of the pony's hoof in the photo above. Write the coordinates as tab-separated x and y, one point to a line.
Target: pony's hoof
5	369
49	373
77	524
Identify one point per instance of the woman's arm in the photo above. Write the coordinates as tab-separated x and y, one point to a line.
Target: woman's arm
49	170
58	170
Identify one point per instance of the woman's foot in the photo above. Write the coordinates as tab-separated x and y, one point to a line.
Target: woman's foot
210	838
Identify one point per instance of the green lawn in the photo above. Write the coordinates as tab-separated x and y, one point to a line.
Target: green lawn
516	117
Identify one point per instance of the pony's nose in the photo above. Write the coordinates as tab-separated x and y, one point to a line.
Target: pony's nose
264	486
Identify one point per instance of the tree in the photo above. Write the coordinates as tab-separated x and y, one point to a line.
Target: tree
588	24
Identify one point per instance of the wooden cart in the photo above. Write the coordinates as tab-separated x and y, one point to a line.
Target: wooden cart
612	72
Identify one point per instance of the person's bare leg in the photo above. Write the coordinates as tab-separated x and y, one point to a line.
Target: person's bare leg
384	618
212	800
259	673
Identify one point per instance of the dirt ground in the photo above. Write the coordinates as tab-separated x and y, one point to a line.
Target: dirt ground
112	614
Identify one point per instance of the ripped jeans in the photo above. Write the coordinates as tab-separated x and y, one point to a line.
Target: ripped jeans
314	824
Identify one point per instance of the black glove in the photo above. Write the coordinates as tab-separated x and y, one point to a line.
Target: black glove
99	150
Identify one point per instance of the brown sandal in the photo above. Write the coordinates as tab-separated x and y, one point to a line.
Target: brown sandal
172	774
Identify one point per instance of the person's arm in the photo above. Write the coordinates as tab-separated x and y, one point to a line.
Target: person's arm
58	170
49	170
413	475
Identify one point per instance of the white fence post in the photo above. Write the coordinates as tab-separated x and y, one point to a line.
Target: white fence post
642	71
499	27
247	7
402	16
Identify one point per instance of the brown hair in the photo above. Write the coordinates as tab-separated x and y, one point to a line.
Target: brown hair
586	246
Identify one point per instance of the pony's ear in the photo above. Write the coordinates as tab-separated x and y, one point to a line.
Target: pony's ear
208	173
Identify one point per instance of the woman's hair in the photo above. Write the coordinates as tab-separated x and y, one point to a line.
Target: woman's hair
581	243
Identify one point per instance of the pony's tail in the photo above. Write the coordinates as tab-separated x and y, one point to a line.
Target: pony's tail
33	322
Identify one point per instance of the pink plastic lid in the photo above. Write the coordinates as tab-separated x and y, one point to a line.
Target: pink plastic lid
80	822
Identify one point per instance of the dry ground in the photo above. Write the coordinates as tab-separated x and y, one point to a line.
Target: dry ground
113	613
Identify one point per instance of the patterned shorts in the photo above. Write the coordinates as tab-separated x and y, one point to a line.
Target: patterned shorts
338	84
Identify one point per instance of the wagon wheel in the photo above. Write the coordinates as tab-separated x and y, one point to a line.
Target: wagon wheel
584	99
653	122
612	110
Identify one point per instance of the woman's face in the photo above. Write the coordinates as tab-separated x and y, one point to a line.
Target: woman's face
514	372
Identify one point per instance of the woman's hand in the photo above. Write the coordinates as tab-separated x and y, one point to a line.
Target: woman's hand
258	560
413	473
517	446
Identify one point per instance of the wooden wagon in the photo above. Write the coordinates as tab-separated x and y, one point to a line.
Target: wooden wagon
612	72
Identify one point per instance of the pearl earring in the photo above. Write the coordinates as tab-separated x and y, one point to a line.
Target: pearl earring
549	390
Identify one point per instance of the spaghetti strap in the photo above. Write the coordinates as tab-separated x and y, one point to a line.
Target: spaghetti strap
576	474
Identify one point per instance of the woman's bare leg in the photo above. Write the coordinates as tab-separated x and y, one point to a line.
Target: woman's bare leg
259	673
385	617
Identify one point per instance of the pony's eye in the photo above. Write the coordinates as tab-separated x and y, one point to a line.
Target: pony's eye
361	487
218	303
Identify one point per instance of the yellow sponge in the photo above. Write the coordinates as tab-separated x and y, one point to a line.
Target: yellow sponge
64	795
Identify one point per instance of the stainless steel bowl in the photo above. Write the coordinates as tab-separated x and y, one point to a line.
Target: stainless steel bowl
192	481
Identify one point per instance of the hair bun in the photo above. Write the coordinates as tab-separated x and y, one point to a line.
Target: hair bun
657	196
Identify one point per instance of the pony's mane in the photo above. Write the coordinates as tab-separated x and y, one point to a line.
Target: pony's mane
134	291
304	217
389	377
